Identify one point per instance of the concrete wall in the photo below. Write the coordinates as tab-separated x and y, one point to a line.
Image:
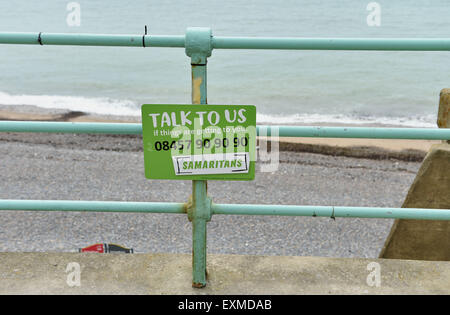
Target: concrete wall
422	239
48	273
425	239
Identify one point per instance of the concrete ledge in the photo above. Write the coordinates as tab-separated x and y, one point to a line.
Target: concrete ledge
424	239
45	273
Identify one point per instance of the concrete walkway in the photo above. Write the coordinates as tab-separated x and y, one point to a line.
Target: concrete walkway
56	273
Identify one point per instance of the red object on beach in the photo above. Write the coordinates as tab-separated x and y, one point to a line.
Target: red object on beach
106	248
96	248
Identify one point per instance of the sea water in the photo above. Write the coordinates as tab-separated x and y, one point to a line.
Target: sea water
288	87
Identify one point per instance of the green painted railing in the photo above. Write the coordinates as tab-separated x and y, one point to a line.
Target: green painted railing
283	131
199	43
235	209
222	42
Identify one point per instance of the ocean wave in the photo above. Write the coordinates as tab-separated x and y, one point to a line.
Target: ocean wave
114	107
427	121
94	105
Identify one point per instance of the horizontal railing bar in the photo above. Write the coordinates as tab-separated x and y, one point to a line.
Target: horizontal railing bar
389	44
70	127
357	132
223	42
230	209
332	212
283	131
92	39
93	206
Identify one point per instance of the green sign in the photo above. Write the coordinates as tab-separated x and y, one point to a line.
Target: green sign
200	142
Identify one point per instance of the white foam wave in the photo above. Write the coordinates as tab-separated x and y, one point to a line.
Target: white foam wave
108	106
95	105
428	121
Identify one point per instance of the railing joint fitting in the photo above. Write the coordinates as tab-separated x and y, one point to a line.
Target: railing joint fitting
198	44
199	211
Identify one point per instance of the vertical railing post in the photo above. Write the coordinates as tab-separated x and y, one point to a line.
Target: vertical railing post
444	111
199	48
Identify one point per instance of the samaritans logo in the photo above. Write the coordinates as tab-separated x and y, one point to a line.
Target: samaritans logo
199	142
211	164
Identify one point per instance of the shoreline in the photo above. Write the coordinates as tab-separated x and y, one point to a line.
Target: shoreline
407	150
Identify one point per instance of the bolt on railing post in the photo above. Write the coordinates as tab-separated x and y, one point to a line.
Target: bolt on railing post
198	47
444	111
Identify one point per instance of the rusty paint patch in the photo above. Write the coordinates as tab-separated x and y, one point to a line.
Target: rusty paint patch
189	206
196	92
198	285
185	207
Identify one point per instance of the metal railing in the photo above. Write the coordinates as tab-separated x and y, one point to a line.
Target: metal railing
199	44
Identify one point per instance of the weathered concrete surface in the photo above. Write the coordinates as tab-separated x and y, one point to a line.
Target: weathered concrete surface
444	109
443	120
45	273
422	239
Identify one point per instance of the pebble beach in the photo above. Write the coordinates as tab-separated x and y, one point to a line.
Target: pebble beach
111	168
